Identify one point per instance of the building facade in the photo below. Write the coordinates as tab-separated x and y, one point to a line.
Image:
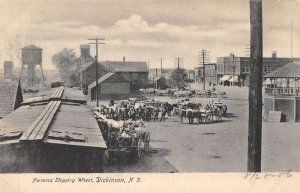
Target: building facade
136	73
167	73
210	74
237	69
87	75
110	86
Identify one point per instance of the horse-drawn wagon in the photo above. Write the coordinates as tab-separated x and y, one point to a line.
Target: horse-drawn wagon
124	138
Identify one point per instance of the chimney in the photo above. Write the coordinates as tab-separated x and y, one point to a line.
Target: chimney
8	70
123	58
274	54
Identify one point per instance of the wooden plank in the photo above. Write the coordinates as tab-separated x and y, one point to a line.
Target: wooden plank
54	94
45	122
36	121
45	127
57	93
42	122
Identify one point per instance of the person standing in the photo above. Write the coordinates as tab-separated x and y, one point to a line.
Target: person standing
163	114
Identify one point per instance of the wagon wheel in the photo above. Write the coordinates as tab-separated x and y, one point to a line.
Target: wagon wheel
218	118
199	119
208	117
220	115
139	148
146	141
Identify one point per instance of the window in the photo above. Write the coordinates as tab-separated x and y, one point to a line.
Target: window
225	68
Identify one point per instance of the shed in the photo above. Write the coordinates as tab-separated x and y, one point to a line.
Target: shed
161	82
111	86
87	75
134	72
10	96
284	98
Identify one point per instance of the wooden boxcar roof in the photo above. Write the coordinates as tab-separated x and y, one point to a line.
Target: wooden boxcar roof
20	120
76	119
68	119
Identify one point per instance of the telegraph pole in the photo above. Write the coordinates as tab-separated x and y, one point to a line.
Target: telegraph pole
161	67
96	64
292	40
255	89
177	60
203	55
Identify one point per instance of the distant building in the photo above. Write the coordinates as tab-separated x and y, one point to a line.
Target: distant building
87	75
136	73
231	68
157	72
10	96
210	74
283	98
167	73
110	86
161	83
8	70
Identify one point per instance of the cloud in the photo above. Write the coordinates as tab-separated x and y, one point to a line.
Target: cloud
127	36
135	37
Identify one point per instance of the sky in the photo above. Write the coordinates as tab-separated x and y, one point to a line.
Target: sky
146	30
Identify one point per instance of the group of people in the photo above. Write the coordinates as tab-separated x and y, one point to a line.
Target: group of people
133	110
159	111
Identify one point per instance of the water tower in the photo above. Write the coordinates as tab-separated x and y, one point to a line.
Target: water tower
31	57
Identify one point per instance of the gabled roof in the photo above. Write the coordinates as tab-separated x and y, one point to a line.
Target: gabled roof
103	78
158	78
290	70
89	64
8	96
125	66
31	47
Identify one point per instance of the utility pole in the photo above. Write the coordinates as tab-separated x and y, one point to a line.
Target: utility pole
96	65
292	40
203	60
255	89
177	60
161	67
233	69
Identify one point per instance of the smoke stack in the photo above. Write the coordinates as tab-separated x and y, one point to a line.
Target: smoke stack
8	69
123	58
274	54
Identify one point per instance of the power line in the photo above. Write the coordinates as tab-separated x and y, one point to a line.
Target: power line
178	61
203	59
97	42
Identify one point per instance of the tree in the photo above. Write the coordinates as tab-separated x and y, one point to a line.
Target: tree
68	66
179	78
